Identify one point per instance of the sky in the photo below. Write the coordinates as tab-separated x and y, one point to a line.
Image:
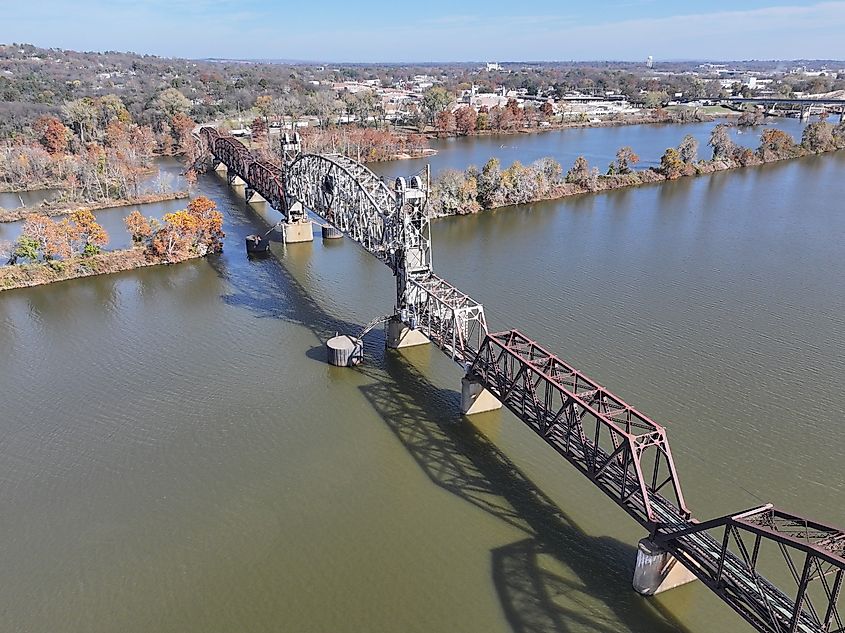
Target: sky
434	30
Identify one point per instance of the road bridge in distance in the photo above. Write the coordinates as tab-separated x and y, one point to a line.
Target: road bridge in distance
802	107
783	573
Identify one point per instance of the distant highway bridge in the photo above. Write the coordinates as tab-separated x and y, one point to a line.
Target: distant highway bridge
802	107
783	573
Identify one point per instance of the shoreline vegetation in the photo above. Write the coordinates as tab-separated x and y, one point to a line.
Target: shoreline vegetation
104	263
58	208
510	120
48	251
472	191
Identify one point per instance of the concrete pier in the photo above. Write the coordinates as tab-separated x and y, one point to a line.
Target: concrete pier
476	399
296	232
657	570
400	335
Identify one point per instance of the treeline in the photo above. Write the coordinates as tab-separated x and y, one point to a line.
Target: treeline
465	120
94	151
470	191
194	231
364	144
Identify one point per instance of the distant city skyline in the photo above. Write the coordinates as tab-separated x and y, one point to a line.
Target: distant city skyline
332	31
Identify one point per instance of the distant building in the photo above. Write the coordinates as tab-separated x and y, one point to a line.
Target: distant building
649	62
493	66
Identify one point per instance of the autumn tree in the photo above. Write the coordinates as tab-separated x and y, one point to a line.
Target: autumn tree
264	105
625	159
89	236
455	193
42	237
818	137
52	134
721	142
259	130
579	173
547	110
210	233
466	119
489	184
172	102
435	99
138	226
183	127
671	164
688	149
82	114
444	122
775	145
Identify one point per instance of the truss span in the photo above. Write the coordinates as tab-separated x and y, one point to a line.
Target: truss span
349	196
781	572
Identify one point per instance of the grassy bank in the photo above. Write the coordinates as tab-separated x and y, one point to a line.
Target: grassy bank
63	208
28	275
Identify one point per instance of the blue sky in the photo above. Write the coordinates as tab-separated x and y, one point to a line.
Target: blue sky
435	30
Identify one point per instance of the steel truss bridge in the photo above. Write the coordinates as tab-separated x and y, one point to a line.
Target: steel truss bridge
781	572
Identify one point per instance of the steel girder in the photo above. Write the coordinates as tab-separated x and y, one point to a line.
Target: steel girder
351	198
267	180
451	319
235	156
620	450
741	557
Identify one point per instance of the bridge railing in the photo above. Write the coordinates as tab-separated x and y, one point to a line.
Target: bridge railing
624	453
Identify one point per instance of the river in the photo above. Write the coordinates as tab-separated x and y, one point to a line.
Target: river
178	457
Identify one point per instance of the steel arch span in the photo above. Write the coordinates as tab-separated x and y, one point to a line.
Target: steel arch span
349	196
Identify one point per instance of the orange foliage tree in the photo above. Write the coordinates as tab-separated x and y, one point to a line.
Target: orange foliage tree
139	227
52	133
195	230
88	236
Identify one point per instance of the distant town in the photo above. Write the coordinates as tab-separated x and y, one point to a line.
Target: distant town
36	81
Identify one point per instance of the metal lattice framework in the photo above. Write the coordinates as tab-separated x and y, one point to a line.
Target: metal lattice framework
350	197
623	452
740	556
391	224
620	450
781	572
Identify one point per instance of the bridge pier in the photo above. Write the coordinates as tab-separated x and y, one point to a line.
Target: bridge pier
252	195
400	335
235	180
657	570
299	229
475	398
297	232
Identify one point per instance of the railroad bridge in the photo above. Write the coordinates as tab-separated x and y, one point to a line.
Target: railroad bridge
781	572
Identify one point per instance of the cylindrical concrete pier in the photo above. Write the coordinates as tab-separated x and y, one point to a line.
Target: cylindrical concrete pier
331	233
344	351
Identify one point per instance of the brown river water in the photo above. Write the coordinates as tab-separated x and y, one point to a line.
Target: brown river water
177	456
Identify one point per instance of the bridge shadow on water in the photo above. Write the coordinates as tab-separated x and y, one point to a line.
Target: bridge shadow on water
557	578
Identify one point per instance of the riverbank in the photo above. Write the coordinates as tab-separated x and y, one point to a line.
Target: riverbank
29	275
670	117
63	208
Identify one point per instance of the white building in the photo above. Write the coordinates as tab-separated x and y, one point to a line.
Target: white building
493	66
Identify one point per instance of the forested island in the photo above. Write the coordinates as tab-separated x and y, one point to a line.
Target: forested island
50	250
473	190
